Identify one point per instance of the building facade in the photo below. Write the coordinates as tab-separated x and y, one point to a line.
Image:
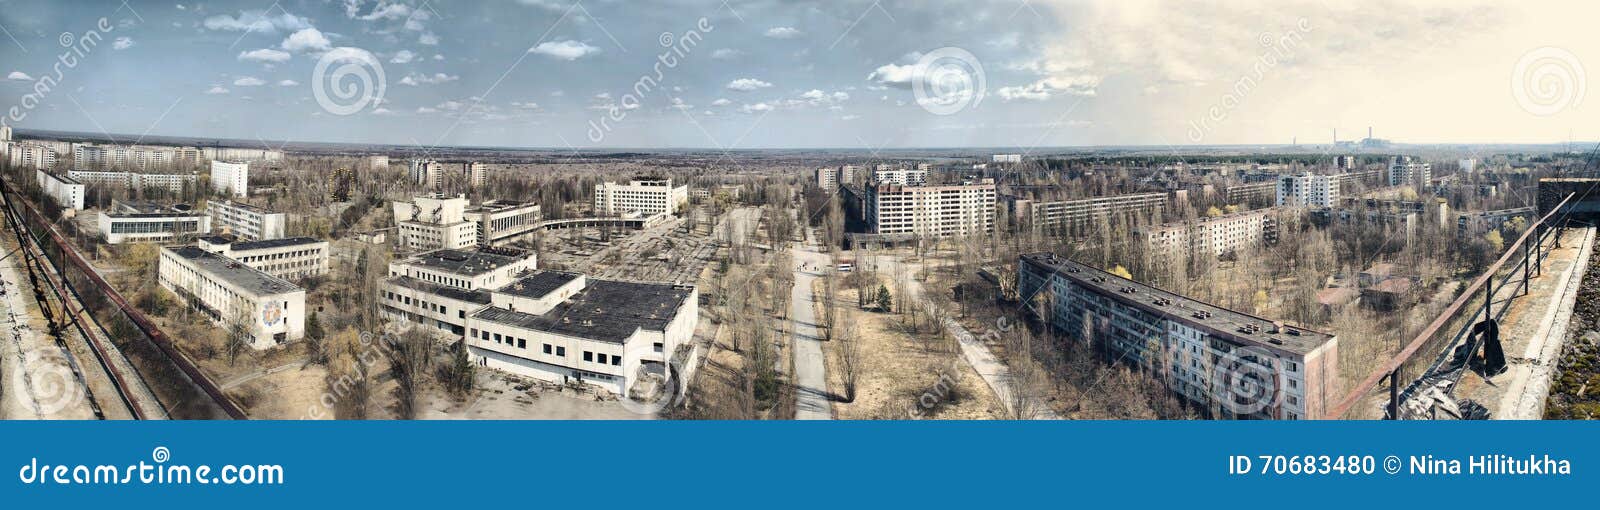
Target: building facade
232	179
288	258
901	176
503	221
931	211
246	221
268	309
1215	236
439	289
66	191
433	222
1405	172
150	223
1307	190
1055	214
644	196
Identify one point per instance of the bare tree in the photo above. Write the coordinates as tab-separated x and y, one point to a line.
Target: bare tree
849	350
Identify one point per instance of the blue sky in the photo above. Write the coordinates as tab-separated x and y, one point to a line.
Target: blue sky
548	73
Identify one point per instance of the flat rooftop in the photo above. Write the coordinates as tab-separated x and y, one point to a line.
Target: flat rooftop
252	208
1218	320
498	205
481	297
274	243
231	271
605	310
538	284
468	262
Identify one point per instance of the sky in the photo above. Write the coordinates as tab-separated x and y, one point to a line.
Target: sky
803	74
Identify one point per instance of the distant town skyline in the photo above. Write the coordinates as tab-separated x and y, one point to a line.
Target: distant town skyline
767	74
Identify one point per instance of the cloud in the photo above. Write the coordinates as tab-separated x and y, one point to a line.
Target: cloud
403	57
721	102
248	81
19	76
265	55
564	50
894	75
122	43
385	12
256	21
287	83
306	40
526	106
783	33
747	84
677	102
817	97
756	108
428	39
426	79
427	110
726	54
1050	87
216	90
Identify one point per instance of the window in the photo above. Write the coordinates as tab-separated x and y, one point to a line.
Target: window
588	356
601	358
522	343
474	332
547	348
561	351
616	360
486	335
497	338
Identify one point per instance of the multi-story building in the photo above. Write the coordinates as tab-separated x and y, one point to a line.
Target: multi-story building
644	196
66	191
427	173
242	299
378	161
1216	236
503	221
1468	165
1345	162
147	222
901	176
1255	193
246	221
1233	364
1055	214
287	258
439	289
1475	223
122	157
1403	171
230	178
1308	190
240	154
432	222
172	183
5	133
931	211
828	179
476	173
564	327
1006	158
31	155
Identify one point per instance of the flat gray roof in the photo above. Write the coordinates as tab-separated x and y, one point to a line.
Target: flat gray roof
469	262
274	243
605	310
231	271
538	284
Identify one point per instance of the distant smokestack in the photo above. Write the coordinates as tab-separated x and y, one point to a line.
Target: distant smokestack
1369	132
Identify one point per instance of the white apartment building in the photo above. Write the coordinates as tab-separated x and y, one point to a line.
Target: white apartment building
246	221
1007	158
31	155
477	173
1468	165
267	308
1216	236
1054	214
439	289
503	221
427	172
287	258
1403	171
230	178
115	157
5	133
901	176
931	211
240	154
1308	190
172	183
644	196
67	192
828	179
564	327
146	222
378	161
432	222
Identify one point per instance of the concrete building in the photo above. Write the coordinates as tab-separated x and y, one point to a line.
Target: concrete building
1405	172
1467	165
91	156
427	173
901	176
147	222
1307	190
240	154
1233	364
232	179
287	258
65	191
1259	193
931	211
439	289
1214	236
1345	162
828	179
31	155
5	133
246	221
434	222
1006	158
476	173
644	196
1478	223
564	327
171	183
268	309
1056	214
503	221
378	161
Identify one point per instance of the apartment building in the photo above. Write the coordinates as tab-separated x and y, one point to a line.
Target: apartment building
1235	365
901	176
828	179
1403	171
1057	214
931	211
65	191
1006	158
439	289
427	173
143	157
564	327
1254	193
268	309
1216	236
288	258
644	196
31	155
246	221
503	221
240	154
232	179
476	173
1476	223
432	222
139	222
172	183
1307	190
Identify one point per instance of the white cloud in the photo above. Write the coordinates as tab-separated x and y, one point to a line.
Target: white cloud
386	12
216	90
894	75
265	55
565	50
382	111
526	106
122	43
403	57
721	102
248	81
256	21
755	108
726	54
783	33
19	76
427	79
677	102
817	97
437	56
287	83
428	39
747	84
426	110
306	40
1049	87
